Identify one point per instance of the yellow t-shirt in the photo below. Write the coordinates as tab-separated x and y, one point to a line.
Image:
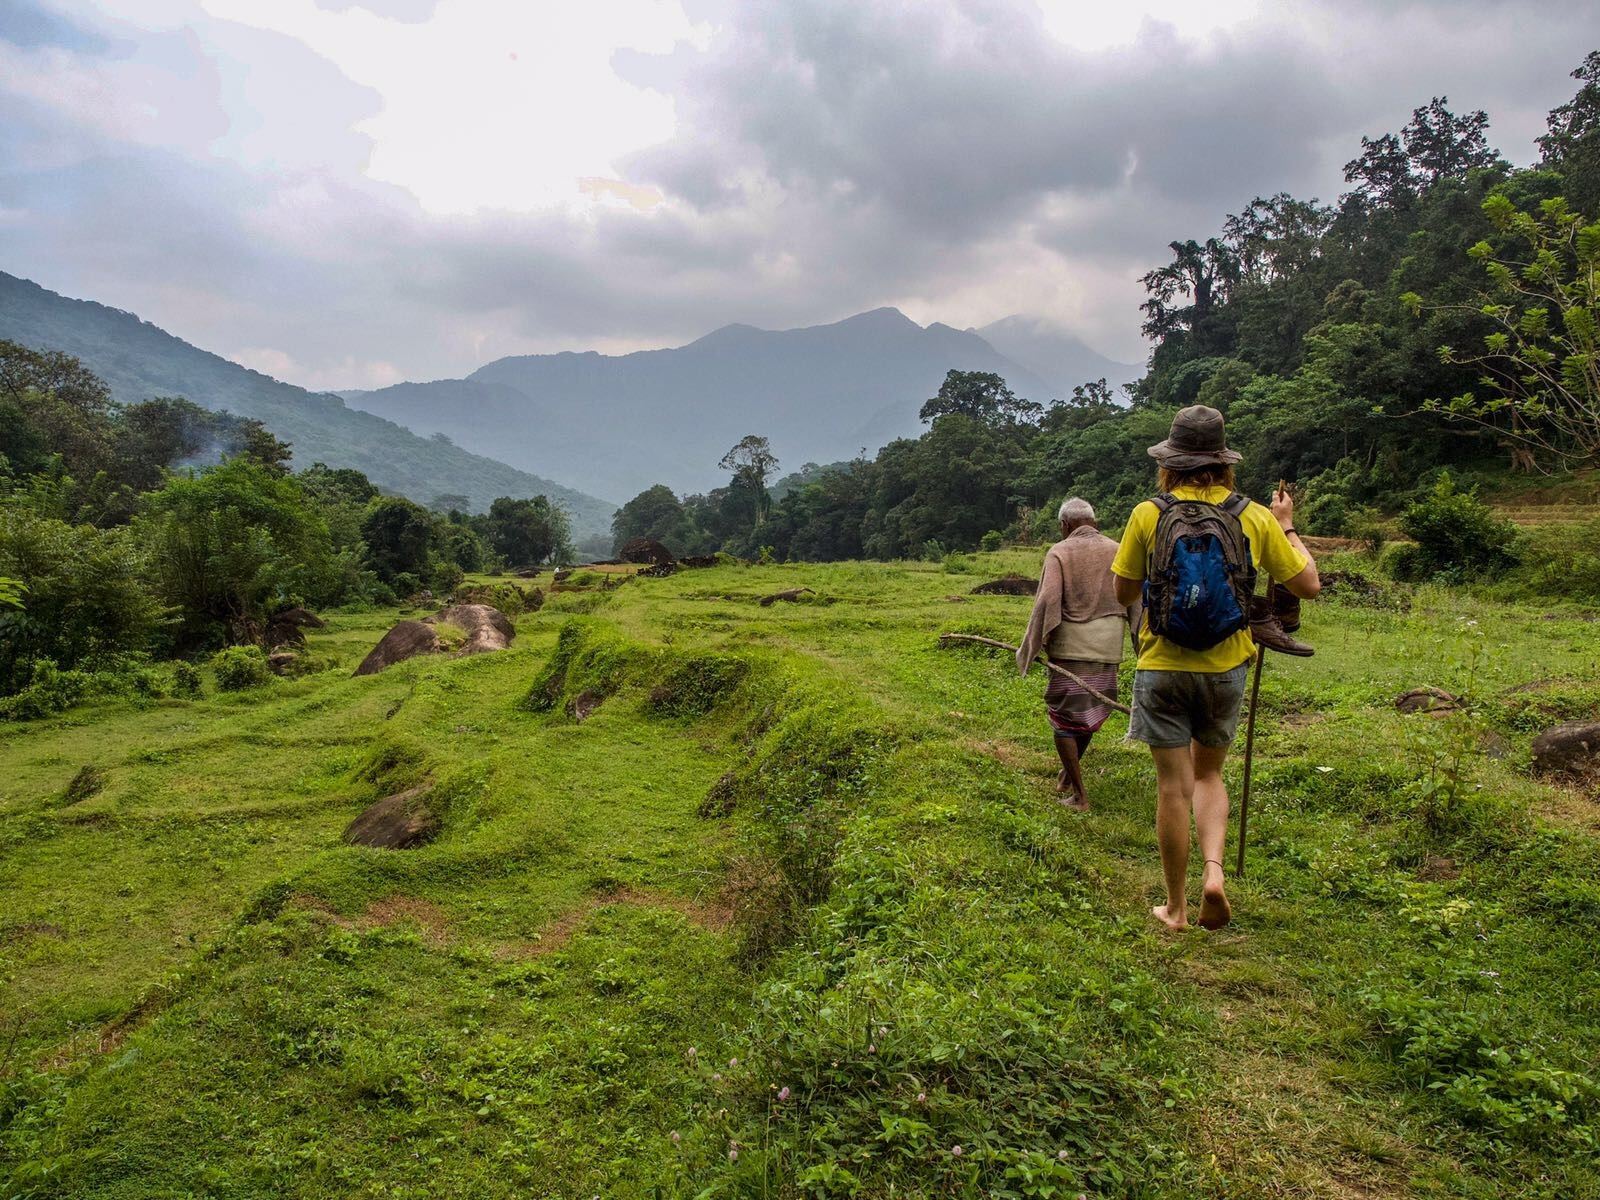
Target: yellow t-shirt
1269	547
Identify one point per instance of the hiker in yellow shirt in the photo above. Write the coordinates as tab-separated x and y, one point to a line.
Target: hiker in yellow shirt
1194	641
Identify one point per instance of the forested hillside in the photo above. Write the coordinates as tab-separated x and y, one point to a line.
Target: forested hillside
1360	348
621	422
138	362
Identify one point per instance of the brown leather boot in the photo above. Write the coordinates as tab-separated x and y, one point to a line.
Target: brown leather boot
1286	605
1268	631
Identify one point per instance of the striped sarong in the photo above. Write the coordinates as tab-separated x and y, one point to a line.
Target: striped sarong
1071	708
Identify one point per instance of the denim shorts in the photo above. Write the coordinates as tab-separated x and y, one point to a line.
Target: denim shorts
1172	708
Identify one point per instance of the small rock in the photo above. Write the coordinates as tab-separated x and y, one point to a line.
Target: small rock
584	704
1428	700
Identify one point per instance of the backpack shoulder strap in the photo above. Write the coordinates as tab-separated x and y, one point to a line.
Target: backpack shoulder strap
1163	501
1235	504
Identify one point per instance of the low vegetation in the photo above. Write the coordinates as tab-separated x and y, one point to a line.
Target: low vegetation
786	907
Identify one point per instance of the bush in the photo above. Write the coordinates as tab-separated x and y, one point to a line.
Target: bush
1459	539
1365	525
1560	561
992	540
240	668
83	597
186	680
50	690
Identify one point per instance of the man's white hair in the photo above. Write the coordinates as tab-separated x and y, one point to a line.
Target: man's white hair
1075	509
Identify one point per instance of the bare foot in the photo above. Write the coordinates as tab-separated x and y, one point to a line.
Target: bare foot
1215	911
1177	924
1076	801
1061	781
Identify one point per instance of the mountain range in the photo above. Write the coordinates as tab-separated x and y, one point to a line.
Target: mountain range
610	424
619	423
139	360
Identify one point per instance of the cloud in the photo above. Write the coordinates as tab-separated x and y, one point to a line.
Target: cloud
348	190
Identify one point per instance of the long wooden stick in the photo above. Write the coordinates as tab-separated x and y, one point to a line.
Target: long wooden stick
1249	755
1100	696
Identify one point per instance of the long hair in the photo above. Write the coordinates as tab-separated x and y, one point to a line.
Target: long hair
1211	475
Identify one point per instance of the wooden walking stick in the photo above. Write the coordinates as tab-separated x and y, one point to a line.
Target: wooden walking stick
1249	755
1100	696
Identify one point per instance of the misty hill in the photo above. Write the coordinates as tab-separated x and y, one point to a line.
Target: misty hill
139	360
1055	355
619	423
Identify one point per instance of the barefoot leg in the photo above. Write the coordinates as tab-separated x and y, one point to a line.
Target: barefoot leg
1071	778
1211	830
1174	793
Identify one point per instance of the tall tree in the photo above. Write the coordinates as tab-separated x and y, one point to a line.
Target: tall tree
529	531
751	462
981	396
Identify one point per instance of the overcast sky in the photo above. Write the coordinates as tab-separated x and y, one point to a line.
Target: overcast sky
346	193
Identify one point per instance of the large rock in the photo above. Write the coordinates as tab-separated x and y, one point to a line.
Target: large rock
644	550
1007	585
396	822
1572	749
406	640
485	628
288	628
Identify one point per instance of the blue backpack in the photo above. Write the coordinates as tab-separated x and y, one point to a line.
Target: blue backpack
1198	586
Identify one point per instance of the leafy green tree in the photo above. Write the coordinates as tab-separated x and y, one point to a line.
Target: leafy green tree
655	513
980	396
399	537
751	462
231	545
51	404
1571	142
84	592
1540	362
530	531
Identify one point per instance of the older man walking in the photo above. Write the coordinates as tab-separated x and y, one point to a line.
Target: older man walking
1080	624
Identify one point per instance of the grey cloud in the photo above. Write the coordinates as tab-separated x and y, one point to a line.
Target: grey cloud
831	157
410	11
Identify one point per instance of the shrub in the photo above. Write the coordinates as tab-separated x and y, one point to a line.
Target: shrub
186	680
83	597
1561	561
992	540
50	690
1459	539
1365	525
698	684
240	668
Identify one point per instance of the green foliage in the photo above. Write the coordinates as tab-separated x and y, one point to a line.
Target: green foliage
186	680
694	686
49	690
528	532
240	668
980	396
657	514
1539	362
1458	538
233	543
1556	561
84	600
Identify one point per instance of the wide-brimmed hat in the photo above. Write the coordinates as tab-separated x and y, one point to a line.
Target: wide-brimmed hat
1196	440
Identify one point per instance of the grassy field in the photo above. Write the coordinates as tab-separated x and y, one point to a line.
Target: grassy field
794	912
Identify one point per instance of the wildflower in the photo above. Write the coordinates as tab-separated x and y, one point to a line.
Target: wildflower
922	1097
883	1031
873	1048
676	1137
733	1154
783	1094
1061	1156
716	1077
732	1063
956	1151
692	1053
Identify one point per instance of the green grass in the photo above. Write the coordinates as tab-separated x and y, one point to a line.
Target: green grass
883	911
